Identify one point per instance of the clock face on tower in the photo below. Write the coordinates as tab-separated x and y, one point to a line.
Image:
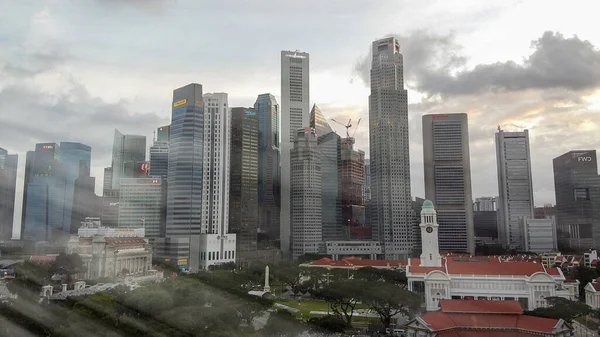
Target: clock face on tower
429	229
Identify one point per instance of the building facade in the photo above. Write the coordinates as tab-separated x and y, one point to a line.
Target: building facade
47	195
305	188
295	109
485	224
243	185
126	148
141	205
108	257
447	163
515	186
85	202
539	235
577	190
159	153
8	185
269	193
71	156
352	170
485	204
389	150
480	277
198	188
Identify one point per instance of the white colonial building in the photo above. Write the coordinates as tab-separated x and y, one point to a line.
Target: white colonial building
479	278
111	256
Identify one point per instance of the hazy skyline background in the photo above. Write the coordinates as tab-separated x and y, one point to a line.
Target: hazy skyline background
76	70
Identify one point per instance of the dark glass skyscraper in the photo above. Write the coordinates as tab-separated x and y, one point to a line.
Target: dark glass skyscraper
45	195
71	156
8	183
267	110
243	192
577	188
85	202
126	148
184	194
27	179
159	153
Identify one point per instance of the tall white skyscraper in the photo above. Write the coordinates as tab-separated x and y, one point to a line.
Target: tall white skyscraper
390	162
295	110
515	186
447	165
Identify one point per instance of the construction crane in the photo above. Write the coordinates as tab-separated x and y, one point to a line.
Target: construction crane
357	123
347	126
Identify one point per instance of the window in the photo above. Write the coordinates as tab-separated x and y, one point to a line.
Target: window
581	194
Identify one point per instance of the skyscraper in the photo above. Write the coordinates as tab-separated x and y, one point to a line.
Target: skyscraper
515	186
126	148
305	187
447	165
389	150
577	189
159	153
8	184
107	182
243	185
26	180
353	191
45	195
485	204
198	188
71	155
329	146
269	194
141	205
85	202
294	116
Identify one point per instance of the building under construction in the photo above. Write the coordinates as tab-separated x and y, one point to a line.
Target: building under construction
352	167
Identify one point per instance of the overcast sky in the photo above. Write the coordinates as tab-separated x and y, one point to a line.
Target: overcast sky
74	70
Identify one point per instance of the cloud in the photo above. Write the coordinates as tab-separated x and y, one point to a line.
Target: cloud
434	65
150	6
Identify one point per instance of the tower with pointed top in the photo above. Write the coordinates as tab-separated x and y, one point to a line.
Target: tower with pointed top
430	256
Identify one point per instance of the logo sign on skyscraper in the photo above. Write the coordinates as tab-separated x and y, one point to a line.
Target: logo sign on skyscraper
142	169
249	113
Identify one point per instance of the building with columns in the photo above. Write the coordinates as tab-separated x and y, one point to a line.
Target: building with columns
111	256
479	278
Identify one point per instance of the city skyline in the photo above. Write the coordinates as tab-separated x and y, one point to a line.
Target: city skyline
135	107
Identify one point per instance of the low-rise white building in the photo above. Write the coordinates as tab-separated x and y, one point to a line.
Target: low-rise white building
335	249
111	256
480	278
592	294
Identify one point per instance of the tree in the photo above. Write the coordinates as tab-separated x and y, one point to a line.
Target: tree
309	257
67	265
562	308
29	279
342	296
225	266
291	276
391	276
388	300
329	324
585	275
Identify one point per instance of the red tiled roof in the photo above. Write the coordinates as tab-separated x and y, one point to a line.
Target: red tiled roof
594	262
42	258
483	307
443	321
85	241
596	284
493	266
482	333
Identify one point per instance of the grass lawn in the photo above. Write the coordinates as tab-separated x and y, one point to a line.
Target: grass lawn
306	306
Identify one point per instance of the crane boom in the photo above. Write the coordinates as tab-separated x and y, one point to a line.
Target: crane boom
347	126
356	128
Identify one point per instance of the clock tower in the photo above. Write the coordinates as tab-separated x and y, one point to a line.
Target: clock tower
430	256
